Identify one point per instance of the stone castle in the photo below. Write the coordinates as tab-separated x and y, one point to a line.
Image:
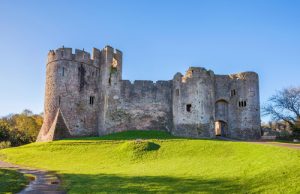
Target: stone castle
86	96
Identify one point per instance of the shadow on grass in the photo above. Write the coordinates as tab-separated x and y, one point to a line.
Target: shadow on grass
140	134
131	135
78	183
273	181
12	181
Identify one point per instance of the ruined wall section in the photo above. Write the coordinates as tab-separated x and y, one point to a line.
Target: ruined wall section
241	94
126	106
110	87
71	79
193	103
144	105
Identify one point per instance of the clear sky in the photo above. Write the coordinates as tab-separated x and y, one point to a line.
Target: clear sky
158	38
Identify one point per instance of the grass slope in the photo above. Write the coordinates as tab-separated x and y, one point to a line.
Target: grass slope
162	163
12	181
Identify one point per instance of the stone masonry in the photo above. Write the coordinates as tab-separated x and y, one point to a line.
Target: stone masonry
86	96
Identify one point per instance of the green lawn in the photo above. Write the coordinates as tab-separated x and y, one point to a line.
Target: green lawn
12	181
161	163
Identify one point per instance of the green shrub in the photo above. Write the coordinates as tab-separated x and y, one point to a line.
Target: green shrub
5	144
4	131
18	138
20	129
296	132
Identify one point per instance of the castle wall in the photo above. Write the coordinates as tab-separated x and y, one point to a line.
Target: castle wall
140	105
193	103
241	93
90	98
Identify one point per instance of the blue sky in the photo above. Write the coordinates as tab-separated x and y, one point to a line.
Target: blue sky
158	38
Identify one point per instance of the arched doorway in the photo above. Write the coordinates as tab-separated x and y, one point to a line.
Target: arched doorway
220	128
221	110
221	118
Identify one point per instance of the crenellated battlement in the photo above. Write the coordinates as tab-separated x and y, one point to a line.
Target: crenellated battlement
84	56
59	54
147	83
67	54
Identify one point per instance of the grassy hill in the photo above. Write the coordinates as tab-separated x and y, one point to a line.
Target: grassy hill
153	161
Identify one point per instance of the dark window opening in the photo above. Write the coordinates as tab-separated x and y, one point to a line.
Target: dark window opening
63	71
188	107
242	103
109	80
92	99
59	100
233	92
177	92
81	72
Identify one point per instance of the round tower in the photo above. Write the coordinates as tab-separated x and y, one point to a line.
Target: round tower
55	70
247	112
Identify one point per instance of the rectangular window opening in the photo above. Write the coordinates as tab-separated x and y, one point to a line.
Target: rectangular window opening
233	92
188	107
59	100
92	99
242	103
177	92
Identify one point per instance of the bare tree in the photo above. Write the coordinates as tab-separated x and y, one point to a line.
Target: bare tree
285	105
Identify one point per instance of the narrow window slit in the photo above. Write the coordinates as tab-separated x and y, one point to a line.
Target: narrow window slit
92	99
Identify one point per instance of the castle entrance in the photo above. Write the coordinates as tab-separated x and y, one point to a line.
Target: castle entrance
220	128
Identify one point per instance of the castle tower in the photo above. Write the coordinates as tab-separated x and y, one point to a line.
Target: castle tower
245	110
72	89
193	103
55	70
110	79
